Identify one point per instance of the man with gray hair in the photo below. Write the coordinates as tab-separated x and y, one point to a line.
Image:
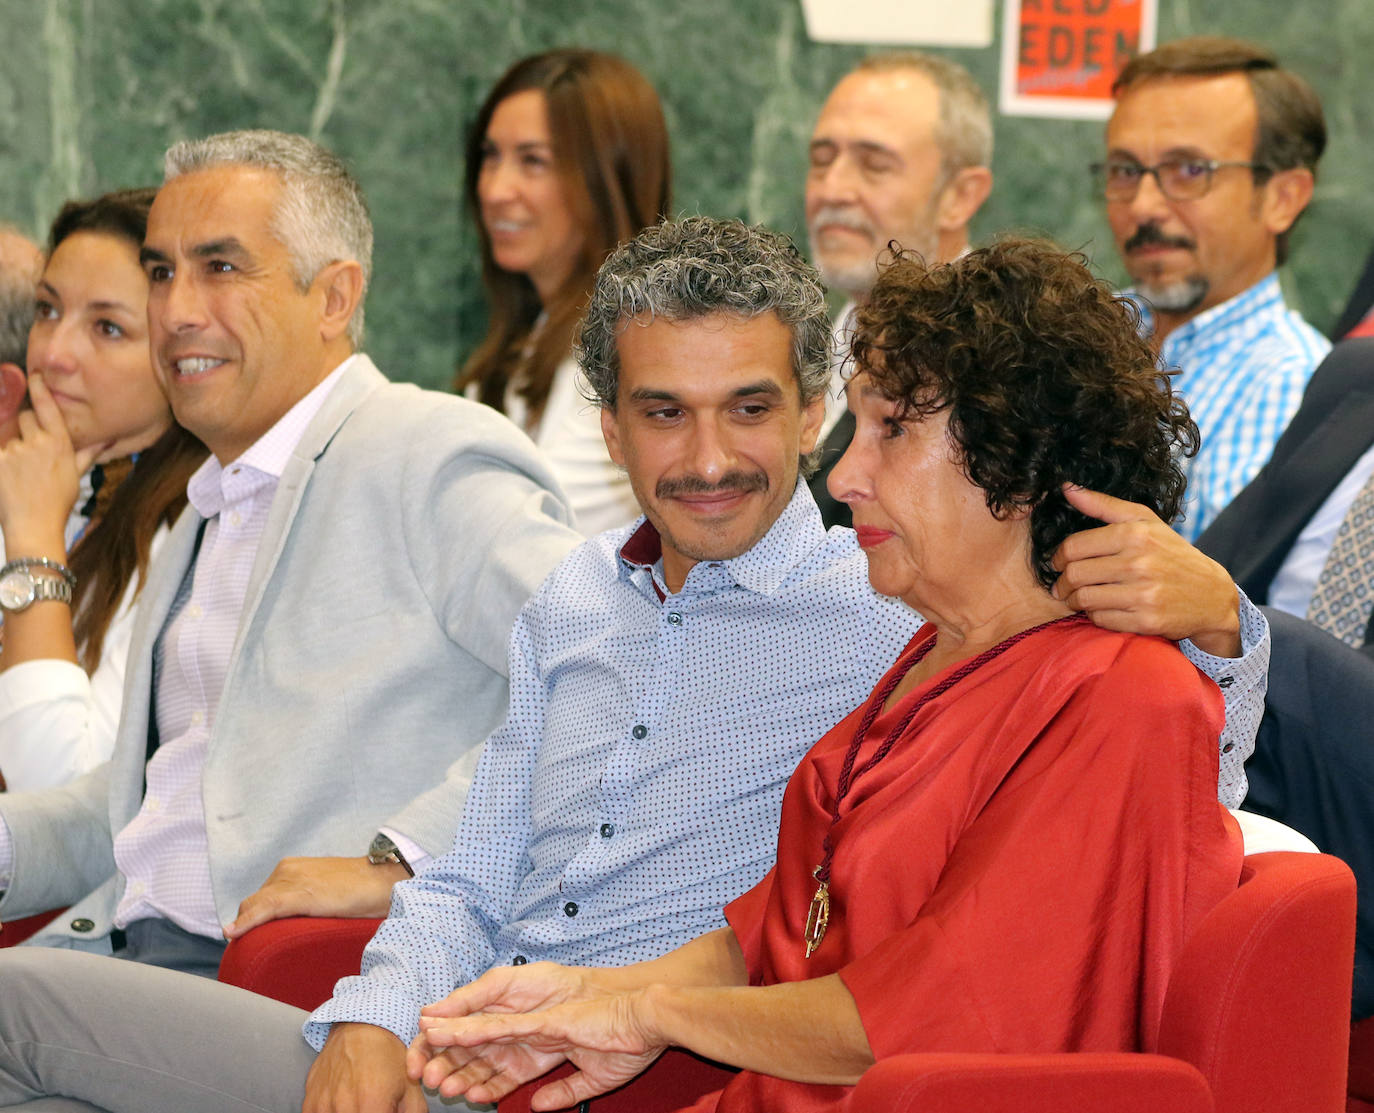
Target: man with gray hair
324	632
21	262
665	682
901	152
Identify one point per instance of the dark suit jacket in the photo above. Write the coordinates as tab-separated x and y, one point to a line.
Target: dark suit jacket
1313	766
1361	301
1331	430
833	512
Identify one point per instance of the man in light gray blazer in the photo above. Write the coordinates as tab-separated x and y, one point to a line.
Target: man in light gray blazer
321	647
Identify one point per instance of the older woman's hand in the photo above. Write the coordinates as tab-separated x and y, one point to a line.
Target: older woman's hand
608	1041
515	1024
40	475
1138	575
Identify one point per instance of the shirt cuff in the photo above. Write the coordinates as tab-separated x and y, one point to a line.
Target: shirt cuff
410	850
361	1000
1243	681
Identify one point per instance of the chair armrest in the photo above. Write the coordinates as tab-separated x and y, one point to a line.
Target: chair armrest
1084	1083
297	960
674	1081
15	932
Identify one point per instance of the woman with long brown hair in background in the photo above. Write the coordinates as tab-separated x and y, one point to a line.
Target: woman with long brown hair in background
567	158
95	401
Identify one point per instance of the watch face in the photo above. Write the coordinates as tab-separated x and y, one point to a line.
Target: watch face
16	590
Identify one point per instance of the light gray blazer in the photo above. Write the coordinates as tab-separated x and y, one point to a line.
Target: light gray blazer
370	663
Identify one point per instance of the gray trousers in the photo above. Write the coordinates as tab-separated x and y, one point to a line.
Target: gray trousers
87	1032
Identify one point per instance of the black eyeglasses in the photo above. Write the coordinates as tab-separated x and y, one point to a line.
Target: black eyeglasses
1179	179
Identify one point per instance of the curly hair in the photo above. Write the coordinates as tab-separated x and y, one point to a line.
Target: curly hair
685	269
1045	377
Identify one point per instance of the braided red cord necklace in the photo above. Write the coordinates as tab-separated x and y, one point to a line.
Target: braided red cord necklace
818	915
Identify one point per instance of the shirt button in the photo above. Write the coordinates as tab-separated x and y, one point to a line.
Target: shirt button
674	619
1226	682
519	960
194	610
607	830
83	925
570	909
236	519
640	731
197	717
151	803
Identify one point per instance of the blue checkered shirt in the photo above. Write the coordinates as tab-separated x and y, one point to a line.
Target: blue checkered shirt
635	787
1244	365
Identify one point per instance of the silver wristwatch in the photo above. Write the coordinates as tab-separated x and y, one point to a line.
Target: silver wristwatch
21	587
384	850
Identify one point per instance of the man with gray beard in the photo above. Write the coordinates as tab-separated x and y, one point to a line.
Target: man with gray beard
900	153
1211	158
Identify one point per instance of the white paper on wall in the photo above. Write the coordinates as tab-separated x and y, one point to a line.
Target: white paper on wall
900	22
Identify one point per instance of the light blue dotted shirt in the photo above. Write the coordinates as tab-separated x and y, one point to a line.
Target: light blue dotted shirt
635	786
1244	365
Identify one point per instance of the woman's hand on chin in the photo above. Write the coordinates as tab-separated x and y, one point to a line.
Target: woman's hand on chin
40	476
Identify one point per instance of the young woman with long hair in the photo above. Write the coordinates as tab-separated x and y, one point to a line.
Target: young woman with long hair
567	158
88	489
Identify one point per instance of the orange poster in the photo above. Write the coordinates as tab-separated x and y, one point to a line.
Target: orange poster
1060	57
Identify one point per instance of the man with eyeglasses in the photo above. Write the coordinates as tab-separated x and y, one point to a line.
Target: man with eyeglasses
1211	158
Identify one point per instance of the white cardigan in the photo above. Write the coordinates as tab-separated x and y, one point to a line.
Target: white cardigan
569	434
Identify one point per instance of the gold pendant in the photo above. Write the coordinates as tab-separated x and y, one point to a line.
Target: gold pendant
818	916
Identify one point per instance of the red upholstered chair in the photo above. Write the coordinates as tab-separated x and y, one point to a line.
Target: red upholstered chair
297	960
1256	1019
16	931
1361	1083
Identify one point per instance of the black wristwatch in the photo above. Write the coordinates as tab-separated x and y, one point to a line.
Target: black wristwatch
384	851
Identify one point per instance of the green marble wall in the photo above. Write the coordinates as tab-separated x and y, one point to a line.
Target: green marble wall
95	89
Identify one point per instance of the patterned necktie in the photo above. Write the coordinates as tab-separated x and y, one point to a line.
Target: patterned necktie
1344	595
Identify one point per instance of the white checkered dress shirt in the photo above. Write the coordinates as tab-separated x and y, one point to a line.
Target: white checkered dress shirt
163	852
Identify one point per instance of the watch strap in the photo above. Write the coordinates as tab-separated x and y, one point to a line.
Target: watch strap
28	564
46	588
384	850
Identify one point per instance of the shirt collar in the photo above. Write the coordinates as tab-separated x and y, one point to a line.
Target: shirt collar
762	569
214	486
1264	297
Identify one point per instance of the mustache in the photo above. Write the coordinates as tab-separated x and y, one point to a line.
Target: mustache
1150	235
737	481
843	216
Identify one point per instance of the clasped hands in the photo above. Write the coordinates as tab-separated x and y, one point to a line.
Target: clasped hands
516	1023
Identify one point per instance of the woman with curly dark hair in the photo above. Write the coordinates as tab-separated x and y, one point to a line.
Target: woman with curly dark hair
1006	846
